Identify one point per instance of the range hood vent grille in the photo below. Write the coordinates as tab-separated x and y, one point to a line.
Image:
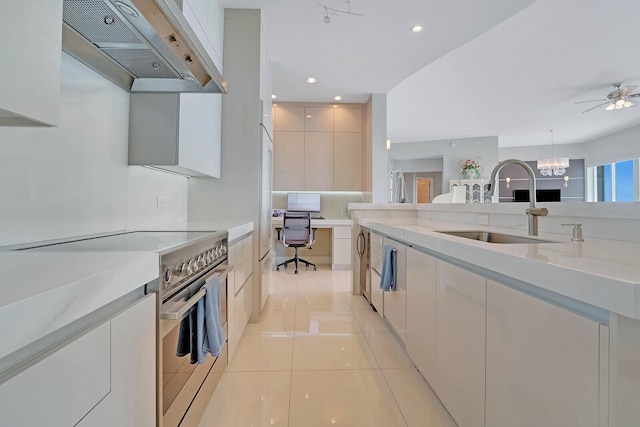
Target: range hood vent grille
87	18
156	54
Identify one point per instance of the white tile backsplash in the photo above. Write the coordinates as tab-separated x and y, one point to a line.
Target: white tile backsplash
74	179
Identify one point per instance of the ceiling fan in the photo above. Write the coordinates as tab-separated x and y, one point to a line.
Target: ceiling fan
617	99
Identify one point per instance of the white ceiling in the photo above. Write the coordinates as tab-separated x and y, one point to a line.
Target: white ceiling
511	68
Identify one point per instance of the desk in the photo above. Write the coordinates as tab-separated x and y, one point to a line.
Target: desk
340	253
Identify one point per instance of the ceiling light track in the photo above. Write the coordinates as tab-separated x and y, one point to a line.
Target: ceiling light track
331	11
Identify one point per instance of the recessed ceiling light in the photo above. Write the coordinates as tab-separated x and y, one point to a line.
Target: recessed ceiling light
274	96
308	116
337	98
311	80
416	29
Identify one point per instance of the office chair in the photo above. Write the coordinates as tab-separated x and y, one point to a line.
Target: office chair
297	233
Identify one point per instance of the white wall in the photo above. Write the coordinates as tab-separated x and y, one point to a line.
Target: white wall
74	179
622	145
451	151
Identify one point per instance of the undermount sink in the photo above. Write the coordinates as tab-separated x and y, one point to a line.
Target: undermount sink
489	237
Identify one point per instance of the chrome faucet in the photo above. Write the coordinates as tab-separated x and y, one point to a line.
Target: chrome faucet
533	212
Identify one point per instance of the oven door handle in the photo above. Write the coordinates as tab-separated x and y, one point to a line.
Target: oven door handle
221	272
177	310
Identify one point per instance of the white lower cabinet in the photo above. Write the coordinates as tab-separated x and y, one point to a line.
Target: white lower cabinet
376	293
133	368
240	290
395	302
341	250
460	343
105	377
421	312
542	363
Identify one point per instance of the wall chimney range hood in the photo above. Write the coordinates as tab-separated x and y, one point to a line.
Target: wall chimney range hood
140	45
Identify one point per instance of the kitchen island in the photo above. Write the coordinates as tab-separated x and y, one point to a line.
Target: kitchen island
514	334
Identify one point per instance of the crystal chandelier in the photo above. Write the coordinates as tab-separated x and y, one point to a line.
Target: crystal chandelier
554	165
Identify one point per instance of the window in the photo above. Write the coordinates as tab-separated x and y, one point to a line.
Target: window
614	182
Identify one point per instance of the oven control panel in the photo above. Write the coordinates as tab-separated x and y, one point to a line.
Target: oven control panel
179	268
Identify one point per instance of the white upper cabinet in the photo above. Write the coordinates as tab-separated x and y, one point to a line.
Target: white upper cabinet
176	132
206	18
30	64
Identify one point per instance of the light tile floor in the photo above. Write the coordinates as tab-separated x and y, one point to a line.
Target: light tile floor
321	357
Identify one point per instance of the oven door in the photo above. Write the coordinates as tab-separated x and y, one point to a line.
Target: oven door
179	380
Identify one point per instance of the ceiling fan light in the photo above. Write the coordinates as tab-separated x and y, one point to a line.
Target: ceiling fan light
619	101
627	104
610	106
619	106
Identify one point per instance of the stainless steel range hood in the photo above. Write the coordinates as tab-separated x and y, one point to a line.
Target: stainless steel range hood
140	45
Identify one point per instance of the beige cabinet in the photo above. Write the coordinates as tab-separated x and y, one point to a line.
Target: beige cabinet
288	118
318	161
318	119
460	343
348	161
328	157
421	312
288	156
543	365
30	64
348	119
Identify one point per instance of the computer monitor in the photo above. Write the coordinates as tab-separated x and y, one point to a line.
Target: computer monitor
303	202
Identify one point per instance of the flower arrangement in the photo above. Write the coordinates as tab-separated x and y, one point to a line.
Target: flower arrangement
470	168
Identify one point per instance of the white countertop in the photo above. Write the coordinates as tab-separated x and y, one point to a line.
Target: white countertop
317	223
43	292
602	273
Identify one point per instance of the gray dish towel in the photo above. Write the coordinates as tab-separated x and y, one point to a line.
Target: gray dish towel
388	274
210	335
187	338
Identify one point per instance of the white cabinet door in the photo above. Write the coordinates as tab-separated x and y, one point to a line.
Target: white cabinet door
133	369
62	388
377	300
542	363
395	302
200	133
178	132
341	252
421	312
460	343
289	119
30	64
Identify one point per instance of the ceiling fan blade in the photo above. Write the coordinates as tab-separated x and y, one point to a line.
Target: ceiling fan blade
593	100
626	91
600	105
633	95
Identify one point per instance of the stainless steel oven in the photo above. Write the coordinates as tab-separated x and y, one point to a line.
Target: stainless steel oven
184	388
182	381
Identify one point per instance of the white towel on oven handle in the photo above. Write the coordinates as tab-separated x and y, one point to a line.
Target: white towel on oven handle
210	335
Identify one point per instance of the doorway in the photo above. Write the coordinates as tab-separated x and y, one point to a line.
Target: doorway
423	189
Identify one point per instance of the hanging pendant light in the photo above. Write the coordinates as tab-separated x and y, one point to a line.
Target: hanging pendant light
554	165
